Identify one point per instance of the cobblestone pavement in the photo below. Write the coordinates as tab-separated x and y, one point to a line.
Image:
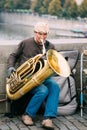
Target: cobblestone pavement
73	122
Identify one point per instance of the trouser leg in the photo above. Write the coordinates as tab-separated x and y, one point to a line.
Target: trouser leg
39	95
52	98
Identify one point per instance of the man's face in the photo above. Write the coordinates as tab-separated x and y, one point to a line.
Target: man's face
40	36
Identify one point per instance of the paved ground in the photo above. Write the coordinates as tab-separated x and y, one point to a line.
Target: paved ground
73	122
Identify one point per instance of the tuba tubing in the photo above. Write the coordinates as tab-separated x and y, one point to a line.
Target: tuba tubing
36	80
55	63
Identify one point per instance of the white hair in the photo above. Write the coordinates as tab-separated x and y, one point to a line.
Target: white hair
41	27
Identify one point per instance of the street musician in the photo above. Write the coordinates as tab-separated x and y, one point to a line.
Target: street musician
47	91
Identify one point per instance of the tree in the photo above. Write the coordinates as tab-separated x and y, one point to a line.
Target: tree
55	8
2	2
62	2
9	4
83	9
74	10
37	5
46	5
71	9
33	4
60	8
40	6
16	4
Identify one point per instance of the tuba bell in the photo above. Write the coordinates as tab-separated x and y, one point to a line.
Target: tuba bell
27	76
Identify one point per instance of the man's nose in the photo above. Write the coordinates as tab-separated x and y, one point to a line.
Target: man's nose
42	36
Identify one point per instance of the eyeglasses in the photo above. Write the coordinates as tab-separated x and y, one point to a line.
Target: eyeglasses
40	33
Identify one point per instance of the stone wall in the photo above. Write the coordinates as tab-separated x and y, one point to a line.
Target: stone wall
6	47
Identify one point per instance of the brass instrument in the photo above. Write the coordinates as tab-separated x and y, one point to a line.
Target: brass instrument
44	49
27	77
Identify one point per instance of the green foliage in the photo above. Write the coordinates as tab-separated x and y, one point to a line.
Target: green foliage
60	8
55	8
71	8
83	9
14	4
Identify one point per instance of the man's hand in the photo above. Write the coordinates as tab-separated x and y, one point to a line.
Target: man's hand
9	71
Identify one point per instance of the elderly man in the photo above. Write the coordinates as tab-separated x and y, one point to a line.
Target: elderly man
49	90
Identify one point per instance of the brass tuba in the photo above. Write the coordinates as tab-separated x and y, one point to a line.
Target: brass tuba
27	76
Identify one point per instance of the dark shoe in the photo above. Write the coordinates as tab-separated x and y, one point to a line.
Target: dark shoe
27	120
47	123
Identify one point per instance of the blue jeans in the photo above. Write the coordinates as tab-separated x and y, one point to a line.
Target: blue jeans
48	91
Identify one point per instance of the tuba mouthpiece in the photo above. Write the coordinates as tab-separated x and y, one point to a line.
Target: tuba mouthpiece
43	49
